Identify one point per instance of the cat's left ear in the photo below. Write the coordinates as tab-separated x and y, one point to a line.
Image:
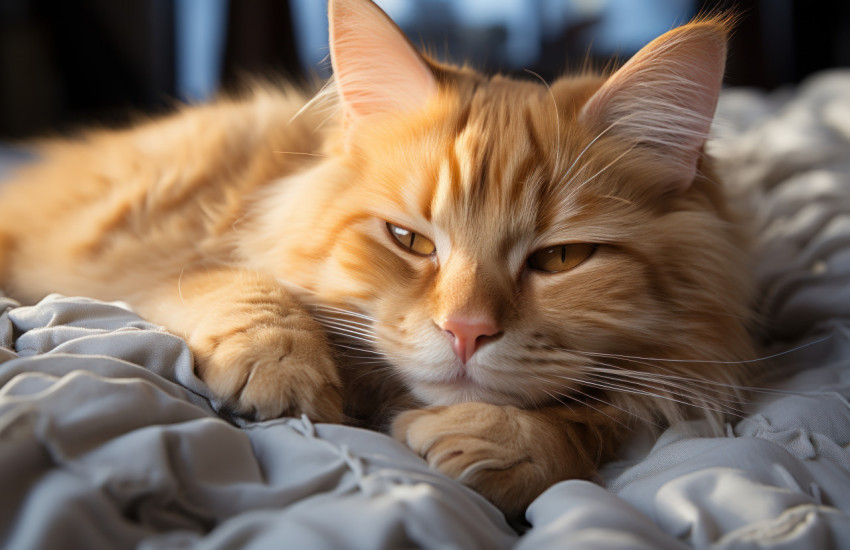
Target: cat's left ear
664	97
375	66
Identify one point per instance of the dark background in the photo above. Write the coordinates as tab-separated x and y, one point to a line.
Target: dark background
68	62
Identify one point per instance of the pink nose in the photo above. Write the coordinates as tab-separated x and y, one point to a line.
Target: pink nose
468	335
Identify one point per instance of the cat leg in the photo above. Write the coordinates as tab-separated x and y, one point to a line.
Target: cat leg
255	346
507	454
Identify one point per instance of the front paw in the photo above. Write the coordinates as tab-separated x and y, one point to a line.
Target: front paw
486	447
267	371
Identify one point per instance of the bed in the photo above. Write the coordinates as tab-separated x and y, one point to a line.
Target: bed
108	440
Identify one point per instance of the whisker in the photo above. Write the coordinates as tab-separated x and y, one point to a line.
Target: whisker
384	371
557	121
366	327
355	348
353	331
677	381
351	337
591	356
661	390
668	378
574	191
298	153
595	398
673	381
597	409
372	365
323	101
636	358
344	312
611	386
669	396
711	387
588	146
346	322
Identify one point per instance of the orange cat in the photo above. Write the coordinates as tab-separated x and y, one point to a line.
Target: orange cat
530	270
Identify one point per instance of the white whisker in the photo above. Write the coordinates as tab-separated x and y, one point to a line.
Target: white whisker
557	121
595	398
673	381
355	348
344	312
636	358
348	329
345	322
298	153
588	146
574	191
668	396
661	389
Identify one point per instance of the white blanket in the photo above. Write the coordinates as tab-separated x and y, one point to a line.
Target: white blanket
107	441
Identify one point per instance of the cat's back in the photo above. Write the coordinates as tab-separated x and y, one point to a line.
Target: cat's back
120	205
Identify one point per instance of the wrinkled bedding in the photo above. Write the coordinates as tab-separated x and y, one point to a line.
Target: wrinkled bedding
107	439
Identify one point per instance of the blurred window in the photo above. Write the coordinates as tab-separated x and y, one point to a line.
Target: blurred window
509	35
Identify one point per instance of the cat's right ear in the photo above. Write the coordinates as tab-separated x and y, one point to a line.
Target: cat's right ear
376	68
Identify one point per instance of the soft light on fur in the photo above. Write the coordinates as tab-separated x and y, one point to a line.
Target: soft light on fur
255	227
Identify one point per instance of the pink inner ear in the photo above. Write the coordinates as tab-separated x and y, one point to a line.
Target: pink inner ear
665	96
375	66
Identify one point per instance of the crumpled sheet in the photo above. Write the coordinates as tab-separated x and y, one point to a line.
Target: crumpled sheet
100	448
107	440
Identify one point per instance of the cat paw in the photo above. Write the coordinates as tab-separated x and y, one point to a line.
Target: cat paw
263	372
486	447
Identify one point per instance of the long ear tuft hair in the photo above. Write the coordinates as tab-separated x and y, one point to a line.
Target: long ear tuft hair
664	97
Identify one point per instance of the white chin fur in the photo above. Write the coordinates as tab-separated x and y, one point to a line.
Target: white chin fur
437	395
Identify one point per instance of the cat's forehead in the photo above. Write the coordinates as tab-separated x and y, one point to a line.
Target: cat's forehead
497	170
491	170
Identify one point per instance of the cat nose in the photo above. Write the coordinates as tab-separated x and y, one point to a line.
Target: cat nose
468	335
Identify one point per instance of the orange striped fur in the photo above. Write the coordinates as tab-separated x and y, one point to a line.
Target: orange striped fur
255	227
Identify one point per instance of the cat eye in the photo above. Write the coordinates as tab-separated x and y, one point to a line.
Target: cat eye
562	257
410	241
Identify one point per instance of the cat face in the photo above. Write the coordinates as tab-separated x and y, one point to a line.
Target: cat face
499	244
516	243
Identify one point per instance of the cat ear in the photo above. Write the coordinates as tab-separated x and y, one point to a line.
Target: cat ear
665	96
375	66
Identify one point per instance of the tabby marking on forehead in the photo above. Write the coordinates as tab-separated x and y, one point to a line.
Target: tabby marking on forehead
444	189
470	150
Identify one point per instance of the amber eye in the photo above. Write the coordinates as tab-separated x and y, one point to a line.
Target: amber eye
562	257
410	241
